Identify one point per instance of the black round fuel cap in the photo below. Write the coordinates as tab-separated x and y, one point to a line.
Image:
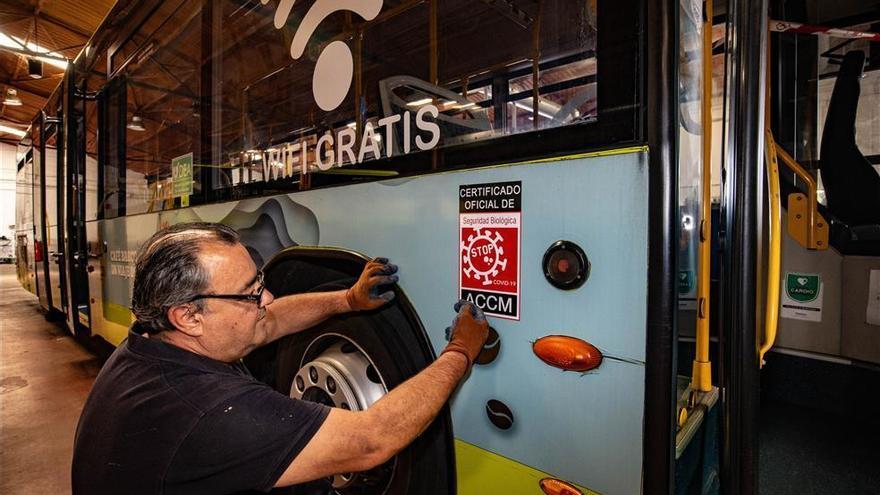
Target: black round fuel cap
566	266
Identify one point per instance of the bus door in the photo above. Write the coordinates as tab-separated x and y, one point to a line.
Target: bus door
73	223
819	342
52	189
24	221
41	266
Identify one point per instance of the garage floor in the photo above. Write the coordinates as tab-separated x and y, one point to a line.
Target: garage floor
45	376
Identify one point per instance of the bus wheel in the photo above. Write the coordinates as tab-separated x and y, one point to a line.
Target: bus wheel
351	362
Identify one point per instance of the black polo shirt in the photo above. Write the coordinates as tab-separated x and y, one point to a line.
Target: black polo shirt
160	419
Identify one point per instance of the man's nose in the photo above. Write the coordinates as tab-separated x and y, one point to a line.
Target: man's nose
267	298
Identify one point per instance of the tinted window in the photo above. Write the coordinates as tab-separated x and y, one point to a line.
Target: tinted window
416	81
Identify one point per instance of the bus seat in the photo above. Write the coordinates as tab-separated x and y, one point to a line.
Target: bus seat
852	185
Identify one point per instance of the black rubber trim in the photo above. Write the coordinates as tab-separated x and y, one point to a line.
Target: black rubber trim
740	376
660	69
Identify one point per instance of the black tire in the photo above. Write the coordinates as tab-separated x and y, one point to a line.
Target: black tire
427	466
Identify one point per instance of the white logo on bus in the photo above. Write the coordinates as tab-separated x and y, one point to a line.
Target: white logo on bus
335	66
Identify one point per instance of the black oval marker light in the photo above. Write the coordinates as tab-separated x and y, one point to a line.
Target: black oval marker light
566	266
499	414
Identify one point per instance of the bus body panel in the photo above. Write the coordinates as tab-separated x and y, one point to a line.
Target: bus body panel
583	427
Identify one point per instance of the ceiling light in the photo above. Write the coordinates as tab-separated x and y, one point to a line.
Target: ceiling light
18	43
12	130
12	98
35	68
136	124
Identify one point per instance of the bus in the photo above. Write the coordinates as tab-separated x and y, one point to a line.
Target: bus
661	205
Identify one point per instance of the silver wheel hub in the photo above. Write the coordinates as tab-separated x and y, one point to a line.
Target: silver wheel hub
342	376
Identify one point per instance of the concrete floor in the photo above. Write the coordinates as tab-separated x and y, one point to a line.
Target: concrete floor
45	376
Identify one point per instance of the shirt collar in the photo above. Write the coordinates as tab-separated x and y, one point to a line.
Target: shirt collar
158	349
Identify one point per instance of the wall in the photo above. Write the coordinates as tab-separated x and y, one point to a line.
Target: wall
7	190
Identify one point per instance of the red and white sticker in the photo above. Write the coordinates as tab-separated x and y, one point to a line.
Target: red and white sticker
490	228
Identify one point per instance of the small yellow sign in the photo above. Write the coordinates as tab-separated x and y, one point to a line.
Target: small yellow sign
182	177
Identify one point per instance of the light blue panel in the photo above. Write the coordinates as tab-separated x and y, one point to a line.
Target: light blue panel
585	428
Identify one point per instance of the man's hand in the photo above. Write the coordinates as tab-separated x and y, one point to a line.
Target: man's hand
364	294
468	332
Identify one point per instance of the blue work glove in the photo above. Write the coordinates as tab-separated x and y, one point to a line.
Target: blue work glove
369	290
468	332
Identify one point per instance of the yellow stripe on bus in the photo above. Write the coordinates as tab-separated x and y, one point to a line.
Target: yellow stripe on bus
590	154
117	319
481	472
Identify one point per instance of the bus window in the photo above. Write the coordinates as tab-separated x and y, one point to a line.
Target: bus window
163	123
111	179
412	87
24	222
93	84
91	211
690	141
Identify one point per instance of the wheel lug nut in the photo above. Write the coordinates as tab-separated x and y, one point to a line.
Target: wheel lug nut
331	385
313	374
300	383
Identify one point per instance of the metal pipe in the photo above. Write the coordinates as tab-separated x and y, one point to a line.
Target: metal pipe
771	309
701	377
536	62
774	263
812	202
434	69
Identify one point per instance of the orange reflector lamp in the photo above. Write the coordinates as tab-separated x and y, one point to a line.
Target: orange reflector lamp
567	353
553	486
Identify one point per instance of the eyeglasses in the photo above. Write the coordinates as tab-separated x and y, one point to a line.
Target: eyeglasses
255	297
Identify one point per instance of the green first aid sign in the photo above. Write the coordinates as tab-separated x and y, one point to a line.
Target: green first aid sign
802	297
802	287
182	175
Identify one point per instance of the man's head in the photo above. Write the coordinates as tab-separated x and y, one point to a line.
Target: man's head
180	271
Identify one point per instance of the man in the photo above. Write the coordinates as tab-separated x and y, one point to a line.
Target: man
174	410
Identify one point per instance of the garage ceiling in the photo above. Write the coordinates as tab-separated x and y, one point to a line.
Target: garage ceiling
61	27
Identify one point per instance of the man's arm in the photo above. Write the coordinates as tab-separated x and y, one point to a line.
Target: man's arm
297	312
356	441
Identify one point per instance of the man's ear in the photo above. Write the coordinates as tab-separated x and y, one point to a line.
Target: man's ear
186	318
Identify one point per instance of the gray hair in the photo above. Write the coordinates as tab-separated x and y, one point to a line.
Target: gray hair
168	271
